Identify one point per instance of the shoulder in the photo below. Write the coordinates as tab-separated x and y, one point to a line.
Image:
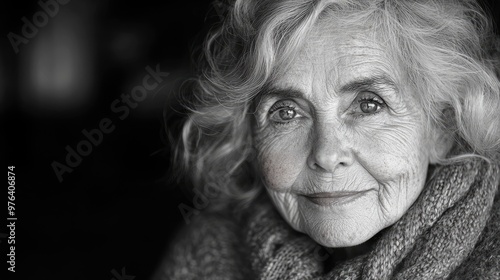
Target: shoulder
484	261
210	247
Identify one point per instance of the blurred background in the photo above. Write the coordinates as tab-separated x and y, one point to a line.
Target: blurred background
63	72
90	206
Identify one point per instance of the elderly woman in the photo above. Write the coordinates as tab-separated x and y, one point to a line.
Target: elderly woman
343	139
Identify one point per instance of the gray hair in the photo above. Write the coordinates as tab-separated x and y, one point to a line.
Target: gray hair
445	50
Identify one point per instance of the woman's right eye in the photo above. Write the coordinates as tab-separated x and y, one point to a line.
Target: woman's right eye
284	112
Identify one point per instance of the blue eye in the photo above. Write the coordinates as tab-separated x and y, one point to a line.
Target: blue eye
368	103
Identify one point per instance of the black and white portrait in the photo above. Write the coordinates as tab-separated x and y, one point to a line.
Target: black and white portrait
251	139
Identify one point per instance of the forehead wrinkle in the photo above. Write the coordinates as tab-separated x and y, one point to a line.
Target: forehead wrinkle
329	60
343	63
325	64
309	71
365	65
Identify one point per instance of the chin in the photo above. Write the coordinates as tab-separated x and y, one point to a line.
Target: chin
338	235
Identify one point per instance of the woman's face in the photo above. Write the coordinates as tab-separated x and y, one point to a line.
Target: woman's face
341	143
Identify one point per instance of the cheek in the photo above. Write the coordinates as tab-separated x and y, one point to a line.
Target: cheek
394	150
282	159
396	156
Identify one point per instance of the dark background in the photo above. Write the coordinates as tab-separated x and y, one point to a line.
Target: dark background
118	208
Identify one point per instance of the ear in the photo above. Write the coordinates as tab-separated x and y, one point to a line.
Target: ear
440	144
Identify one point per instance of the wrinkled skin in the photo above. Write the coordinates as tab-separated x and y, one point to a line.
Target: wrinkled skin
340	124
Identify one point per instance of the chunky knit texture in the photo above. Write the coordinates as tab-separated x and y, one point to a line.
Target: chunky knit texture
452	231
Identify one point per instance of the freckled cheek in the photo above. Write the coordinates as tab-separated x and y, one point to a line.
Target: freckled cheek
281	162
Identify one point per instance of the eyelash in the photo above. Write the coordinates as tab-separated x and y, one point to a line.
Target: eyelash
362	97
370	97
281	105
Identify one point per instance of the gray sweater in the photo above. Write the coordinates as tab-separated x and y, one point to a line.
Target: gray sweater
451	232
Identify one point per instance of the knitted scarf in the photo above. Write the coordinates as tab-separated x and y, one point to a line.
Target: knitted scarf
451	231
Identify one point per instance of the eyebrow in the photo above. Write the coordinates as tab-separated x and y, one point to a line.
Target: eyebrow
268	91
360	84
371	82
287	92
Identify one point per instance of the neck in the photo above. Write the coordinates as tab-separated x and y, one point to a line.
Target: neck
338	255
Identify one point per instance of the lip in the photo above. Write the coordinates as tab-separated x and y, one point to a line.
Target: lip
334	198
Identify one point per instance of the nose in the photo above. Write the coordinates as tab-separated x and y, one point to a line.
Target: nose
330	149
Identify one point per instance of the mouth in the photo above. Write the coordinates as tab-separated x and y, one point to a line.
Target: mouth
334	198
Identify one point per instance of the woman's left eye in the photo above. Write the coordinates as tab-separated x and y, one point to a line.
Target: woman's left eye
368	103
